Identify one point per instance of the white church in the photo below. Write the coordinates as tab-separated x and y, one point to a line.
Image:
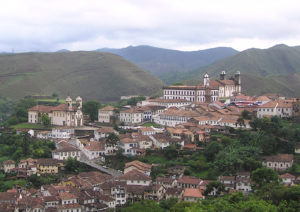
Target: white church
62	115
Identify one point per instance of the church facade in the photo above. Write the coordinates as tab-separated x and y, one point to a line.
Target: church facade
209	91
61	115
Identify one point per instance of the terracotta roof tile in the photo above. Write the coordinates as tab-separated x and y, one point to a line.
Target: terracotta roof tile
193	192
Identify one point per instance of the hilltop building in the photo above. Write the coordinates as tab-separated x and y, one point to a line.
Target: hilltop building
209	91
61	115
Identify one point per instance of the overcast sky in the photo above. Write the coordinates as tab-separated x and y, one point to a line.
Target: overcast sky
41	25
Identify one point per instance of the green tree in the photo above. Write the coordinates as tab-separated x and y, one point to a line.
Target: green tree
246	114
211	150
46	120
91	108
72	165
143	206
263	176
216	186
112	139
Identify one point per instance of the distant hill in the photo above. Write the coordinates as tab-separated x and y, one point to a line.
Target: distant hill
276	69
160	61
92	75
63	50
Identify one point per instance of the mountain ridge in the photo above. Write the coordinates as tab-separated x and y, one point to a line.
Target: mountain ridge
92	75
160	61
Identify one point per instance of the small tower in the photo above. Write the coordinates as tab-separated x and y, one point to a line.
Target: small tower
206	80
69	103
222	75
237	82
79	103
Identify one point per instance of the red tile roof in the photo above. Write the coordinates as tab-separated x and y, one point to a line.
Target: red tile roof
135	175
193	192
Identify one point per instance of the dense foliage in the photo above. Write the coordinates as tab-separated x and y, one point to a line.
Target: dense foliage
281	199
91	108
16	112
16	147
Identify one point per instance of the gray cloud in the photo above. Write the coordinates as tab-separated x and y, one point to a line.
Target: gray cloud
36	25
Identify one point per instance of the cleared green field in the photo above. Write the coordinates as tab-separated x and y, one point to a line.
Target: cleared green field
27	126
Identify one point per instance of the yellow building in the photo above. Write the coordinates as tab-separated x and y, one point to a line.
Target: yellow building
48	166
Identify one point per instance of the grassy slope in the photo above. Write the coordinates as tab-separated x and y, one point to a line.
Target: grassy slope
273	70
93	75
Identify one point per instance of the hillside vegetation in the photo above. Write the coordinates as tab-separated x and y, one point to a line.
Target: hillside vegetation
160	61
273	70
92	75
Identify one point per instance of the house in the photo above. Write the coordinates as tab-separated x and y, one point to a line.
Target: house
147	131
161	140
139	166
144	142
65	151
48	166
192	194
61	115
209	91
8	166
62	132
94	149
166	103
106	199
243	184
228	181
137	192
157	192
189	182
127	144
278	162
135	177
166	182
132	116
104	132
43	134
67	198
281	108
51	201
105	114
174	193
174	116
117	190
176	172
27	167
149	111
287	179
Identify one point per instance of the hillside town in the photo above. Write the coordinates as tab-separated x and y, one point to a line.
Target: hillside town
183	122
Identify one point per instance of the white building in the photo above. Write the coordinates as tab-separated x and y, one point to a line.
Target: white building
132	116
94	149
128	144
174	116
61	115
279	162
104	132
62	132
135	177
8	165
281	108
209	91
105	114
287	179
165	102
66	151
